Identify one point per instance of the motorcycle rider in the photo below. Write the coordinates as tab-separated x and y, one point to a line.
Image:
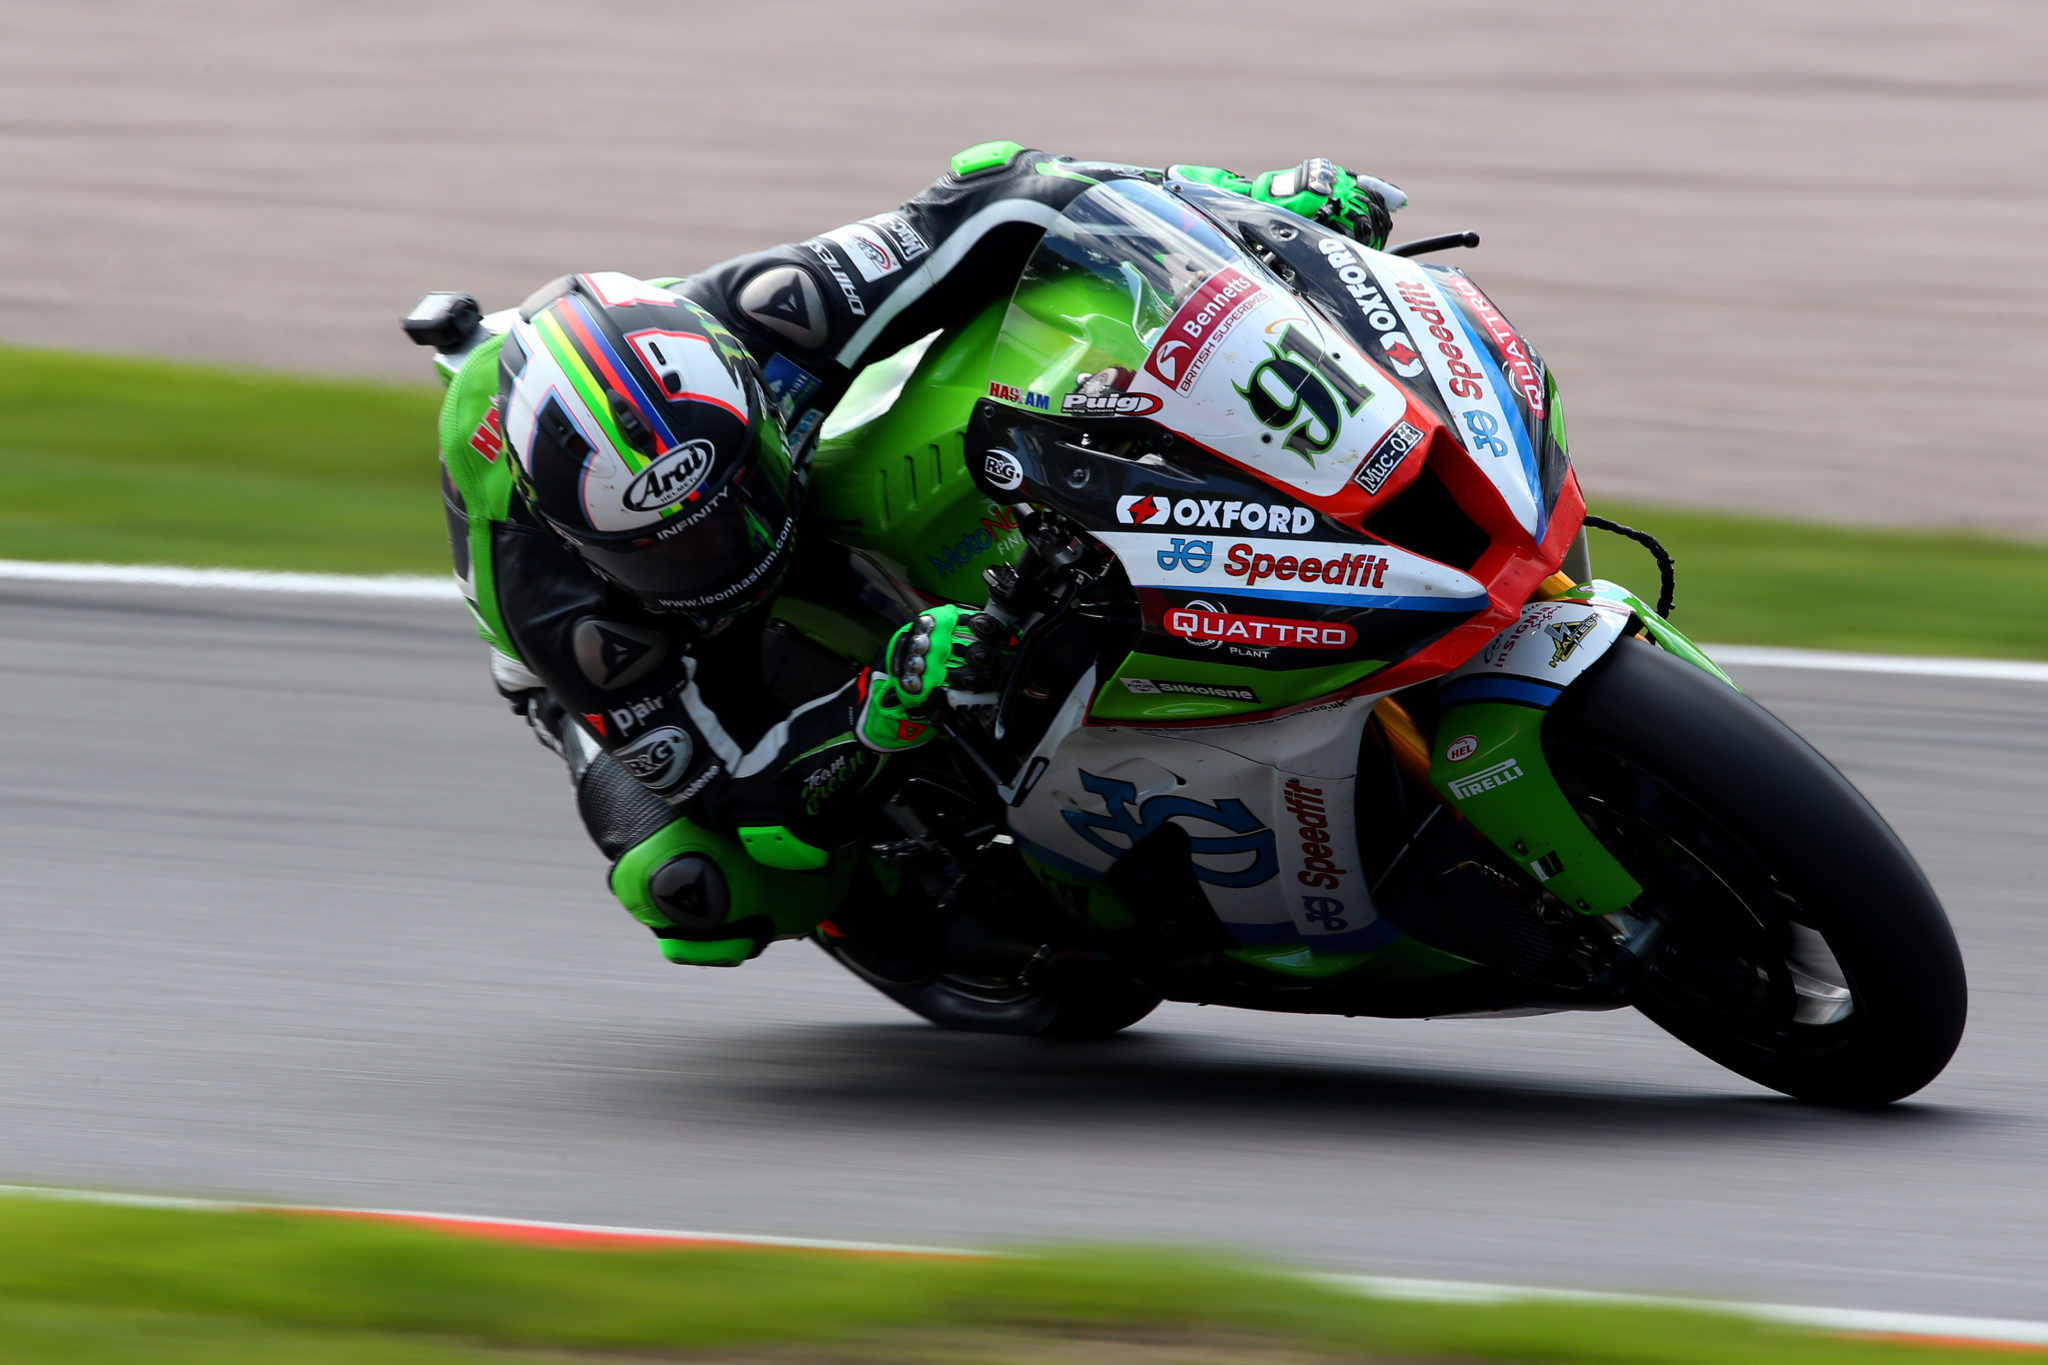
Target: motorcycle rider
620	562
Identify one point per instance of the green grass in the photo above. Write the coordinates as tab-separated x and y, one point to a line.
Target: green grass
92	1283
140	461
144	462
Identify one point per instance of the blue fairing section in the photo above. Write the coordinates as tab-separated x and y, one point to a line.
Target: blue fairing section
1347	599
1482	688
1511	406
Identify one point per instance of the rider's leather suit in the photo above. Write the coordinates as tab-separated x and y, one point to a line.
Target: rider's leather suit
717	771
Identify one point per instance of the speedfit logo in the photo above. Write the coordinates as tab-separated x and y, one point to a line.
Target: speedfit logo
1486	779
1149	509
669	479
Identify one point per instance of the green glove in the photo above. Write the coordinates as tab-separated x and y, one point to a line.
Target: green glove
947	647
1319	189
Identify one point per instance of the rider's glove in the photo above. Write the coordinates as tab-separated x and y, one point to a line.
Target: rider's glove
945	648
1358	206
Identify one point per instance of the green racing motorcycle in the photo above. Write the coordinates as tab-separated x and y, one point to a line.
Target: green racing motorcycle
1318	707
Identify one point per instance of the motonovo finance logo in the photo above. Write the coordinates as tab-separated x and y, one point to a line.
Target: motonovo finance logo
1199	624
669	479
1186	344
1150	509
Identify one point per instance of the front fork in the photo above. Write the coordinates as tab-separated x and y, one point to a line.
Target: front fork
1486	760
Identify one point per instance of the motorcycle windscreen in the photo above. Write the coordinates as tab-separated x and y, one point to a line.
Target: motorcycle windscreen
1136	305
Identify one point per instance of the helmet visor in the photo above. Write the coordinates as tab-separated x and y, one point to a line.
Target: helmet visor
721	557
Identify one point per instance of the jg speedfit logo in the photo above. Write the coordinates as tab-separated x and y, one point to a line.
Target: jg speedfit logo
1149	509
1242	854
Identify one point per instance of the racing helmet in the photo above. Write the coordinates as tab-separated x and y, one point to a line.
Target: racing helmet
643	436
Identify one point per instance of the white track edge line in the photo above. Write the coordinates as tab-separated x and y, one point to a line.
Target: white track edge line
423	587
1995	1331
234	580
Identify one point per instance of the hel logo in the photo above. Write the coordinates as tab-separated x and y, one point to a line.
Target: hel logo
1486	779
1461	748
1141	510
1568	638
1187	623
1194	330
488	440
1245	846
670	479
658	759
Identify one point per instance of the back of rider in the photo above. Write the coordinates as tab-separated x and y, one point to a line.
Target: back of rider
719	772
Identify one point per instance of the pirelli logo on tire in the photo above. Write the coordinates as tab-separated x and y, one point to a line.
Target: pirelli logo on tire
1485	780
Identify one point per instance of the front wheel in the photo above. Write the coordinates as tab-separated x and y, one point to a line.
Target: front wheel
1068	996
1798	943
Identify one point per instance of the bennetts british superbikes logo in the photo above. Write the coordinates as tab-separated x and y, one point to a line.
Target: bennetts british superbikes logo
1191	336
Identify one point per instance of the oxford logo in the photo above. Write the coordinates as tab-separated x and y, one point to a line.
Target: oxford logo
670	479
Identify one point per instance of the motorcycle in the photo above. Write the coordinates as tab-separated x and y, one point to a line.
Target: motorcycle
1318	707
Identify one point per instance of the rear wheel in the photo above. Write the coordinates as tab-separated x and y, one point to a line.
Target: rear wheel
1797	942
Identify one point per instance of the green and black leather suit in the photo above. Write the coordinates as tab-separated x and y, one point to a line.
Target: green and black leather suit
720	772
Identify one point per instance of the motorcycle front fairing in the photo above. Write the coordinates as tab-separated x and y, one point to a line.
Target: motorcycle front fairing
1238	455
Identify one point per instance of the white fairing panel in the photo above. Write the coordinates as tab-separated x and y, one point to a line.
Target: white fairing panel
1547	649
1268	808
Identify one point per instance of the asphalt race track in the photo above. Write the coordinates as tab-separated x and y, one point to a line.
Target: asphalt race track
293	910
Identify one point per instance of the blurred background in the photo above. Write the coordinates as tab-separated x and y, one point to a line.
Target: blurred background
1784	257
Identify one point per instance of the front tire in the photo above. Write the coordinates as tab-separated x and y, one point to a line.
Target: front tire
1801	946
1072	996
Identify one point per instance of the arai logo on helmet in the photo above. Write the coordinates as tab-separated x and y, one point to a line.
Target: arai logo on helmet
671	478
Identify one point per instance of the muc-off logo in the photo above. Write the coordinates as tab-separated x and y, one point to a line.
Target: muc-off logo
670	479
658	759
1485	779
1386	457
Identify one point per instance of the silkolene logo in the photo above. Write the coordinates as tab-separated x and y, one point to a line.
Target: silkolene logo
1148	509
1202	626
1192	334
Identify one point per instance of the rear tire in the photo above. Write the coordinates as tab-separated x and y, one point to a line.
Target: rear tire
1803	947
